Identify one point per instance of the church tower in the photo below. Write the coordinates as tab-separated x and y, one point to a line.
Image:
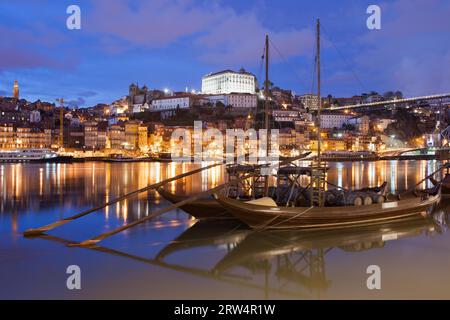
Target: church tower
16	90
132	92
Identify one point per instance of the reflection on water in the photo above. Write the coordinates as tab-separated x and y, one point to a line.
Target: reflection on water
293	261
175	256
25	186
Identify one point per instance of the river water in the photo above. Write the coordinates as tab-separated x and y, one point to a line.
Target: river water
177	257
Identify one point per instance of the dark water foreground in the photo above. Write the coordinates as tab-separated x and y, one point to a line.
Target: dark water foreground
174	256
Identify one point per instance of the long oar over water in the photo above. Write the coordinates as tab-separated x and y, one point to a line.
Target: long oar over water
94	240
51	226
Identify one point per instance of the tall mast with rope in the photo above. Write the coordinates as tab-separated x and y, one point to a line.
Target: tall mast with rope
318	168
61	123
266	111
319	106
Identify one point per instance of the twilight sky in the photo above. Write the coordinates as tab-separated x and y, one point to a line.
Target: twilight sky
172	43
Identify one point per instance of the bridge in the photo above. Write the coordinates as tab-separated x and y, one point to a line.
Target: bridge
393	102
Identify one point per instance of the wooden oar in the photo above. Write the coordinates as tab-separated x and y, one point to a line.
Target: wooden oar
38	231
94	240
426	178
41	230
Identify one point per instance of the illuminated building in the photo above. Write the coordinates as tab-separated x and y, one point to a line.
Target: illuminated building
309	101
24	137
333	120
135	136
7	136
235	100
90	134
330	145
116	135
229	81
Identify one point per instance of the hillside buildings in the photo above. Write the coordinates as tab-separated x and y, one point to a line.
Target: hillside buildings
171	103
235	100
309	101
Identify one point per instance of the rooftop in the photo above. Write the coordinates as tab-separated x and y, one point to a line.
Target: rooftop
241	71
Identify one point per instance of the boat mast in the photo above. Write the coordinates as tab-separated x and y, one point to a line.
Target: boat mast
266	111
319	106
317	168
61	123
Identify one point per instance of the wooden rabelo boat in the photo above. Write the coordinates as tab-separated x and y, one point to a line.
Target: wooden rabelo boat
344	208
264	213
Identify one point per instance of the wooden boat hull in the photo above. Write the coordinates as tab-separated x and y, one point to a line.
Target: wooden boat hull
199	209
267	217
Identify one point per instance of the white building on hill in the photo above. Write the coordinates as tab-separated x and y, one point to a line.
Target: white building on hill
229	81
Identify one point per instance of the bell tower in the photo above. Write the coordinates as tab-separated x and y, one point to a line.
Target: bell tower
16	90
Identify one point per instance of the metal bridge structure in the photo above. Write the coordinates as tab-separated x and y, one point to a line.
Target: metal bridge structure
437	99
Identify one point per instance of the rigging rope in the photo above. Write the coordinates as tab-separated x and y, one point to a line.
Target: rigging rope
290	64
363	87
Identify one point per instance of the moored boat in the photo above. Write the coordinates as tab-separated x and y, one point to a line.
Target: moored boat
324	208
264	213
117	157
27	155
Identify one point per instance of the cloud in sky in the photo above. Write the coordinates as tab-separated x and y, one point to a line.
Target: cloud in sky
155	23
87	94
173	43
410	51
222	34
18	48
76	103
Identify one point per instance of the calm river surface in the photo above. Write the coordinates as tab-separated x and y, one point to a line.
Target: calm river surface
175	256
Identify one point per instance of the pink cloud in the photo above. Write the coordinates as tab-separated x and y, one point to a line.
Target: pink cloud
29	48
225	36
154	23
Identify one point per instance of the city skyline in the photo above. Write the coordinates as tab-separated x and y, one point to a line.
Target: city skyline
173	44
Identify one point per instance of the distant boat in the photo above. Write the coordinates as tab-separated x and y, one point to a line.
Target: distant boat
116	157
349	156
35	155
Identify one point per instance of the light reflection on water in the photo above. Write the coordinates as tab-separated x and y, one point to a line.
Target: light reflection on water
175	256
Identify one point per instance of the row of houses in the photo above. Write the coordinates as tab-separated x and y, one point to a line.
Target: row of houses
90	135
168	105
24	137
